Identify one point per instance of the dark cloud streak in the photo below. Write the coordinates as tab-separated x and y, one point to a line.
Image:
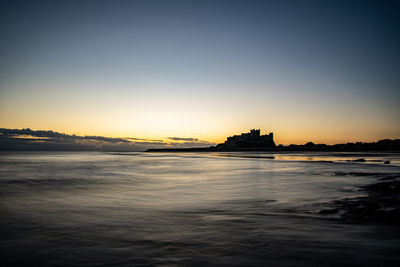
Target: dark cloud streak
27	139
183	139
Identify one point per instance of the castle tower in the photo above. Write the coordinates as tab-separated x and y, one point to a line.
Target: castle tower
255	132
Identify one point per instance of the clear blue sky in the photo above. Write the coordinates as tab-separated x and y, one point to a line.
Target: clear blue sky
326	71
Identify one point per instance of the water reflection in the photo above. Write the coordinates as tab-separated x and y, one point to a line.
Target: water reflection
184	209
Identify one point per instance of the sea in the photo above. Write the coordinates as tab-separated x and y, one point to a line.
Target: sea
190	209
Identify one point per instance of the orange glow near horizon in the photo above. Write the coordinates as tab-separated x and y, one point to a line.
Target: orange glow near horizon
153	114
218	135
198	72
207	113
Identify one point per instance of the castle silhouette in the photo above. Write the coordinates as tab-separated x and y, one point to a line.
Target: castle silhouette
252	139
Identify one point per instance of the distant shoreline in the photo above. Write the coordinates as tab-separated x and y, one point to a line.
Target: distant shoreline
44	140
385	145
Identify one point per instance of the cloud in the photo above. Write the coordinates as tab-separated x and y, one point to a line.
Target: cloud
144	139
55	136
27	139
188	142
183	139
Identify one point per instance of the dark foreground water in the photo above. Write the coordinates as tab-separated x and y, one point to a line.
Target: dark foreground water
248	209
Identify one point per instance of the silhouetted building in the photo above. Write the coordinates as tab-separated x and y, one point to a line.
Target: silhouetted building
253	139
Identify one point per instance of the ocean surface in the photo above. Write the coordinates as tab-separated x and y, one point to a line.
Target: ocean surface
190	209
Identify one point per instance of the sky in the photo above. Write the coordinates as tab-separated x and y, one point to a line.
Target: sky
321	71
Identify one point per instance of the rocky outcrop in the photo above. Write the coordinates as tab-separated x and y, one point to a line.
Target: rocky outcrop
381	204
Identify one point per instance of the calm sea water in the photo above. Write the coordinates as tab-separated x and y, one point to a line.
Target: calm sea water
248	209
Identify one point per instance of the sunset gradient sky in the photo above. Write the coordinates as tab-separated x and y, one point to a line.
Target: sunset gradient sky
321	71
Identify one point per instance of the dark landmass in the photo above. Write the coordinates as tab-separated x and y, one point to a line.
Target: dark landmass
381	145
253	141
382	204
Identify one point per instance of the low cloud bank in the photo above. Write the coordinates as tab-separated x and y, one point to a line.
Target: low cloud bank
183	139
27	139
